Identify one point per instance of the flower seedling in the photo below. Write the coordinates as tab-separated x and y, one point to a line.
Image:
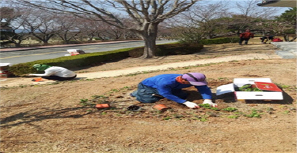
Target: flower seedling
229	109
233	116
254	114
207	106
167	118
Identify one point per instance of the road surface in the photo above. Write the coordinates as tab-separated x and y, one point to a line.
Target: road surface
27	55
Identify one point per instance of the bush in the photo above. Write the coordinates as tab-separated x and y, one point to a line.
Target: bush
71	62
177	49
92	59
217	40
136	52
169	49
290	31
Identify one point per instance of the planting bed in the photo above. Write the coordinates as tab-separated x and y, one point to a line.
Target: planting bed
60	118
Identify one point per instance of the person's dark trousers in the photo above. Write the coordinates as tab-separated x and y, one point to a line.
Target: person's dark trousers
244	39
57	78
147	94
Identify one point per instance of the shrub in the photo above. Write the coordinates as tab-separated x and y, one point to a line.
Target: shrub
177	49
169	49
92	59
71	62
219	40
136	52
216	40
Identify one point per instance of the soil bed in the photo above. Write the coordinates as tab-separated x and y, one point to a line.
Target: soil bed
61	117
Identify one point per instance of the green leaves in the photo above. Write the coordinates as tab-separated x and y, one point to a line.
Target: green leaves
229	109
289	16
254	114
249	87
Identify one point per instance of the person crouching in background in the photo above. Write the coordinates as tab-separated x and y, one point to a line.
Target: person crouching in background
54	72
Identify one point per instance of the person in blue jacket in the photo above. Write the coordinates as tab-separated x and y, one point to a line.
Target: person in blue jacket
170	86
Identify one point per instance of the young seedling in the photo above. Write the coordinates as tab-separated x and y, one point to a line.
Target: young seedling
229	109
233	116
203	118
254	114
167	118
178	116
84	102
207	106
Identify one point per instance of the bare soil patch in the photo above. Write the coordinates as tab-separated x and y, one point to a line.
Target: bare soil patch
61	117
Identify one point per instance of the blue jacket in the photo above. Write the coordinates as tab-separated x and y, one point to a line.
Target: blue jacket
166	83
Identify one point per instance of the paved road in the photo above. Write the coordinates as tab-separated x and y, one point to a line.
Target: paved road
15	56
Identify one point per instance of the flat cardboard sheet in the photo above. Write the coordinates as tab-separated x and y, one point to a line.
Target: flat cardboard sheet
224	89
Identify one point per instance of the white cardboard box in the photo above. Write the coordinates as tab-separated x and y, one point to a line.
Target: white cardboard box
246	95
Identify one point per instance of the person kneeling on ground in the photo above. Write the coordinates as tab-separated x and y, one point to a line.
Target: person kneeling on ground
170	86
54	72
266	38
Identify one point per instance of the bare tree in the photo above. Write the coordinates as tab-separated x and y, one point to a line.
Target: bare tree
146	14
114	32
164	31
41	25
248	12
12	20
67	28
206	18
91	29
203	21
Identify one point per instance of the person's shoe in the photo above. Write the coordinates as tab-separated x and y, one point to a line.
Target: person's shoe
132	95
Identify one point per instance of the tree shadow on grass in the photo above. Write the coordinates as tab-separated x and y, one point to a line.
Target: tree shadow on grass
29	116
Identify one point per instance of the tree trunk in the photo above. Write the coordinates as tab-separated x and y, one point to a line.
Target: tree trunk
293	39
149	37
149	49
286	37
18	44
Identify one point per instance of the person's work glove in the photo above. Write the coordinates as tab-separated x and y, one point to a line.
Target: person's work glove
207	101
191	104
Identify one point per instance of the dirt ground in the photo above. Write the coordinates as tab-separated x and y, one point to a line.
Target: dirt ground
61	117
